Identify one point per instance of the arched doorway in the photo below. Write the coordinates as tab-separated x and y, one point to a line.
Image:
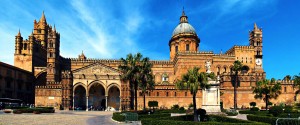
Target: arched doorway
79	98
297	97
97	99
114	97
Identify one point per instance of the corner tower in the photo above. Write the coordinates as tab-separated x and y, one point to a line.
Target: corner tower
184	38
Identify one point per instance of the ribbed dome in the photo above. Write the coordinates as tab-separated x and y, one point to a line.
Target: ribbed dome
184	28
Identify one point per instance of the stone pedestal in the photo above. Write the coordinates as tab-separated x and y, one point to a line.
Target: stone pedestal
211	97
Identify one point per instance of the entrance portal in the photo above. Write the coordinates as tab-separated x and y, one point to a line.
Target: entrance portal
114	97
79	98
97	97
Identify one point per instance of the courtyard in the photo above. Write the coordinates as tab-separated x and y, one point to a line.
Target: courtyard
58	118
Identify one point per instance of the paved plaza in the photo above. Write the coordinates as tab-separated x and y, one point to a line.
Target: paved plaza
58	118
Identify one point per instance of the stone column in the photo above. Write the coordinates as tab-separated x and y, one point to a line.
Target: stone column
106	102
87	103
73	101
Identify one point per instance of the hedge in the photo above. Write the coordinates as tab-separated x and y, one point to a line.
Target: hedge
169	111
154	116
31	110
263	113
265	119
171	122
219	118
118	117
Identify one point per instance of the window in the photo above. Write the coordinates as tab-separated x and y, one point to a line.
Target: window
51	44
187	47
175	94
167	94
51	54
165	77
185	94
8	84
141	94
157	94
176	48
218	71
149	93
224	69
39	31
258	53
25	46
284	89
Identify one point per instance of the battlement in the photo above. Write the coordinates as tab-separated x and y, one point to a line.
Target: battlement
236	47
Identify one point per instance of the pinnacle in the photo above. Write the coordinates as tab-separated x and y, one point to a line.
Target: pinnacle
43	18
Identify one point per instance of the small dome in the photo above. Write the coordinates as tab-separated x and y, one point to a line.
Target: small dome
184	28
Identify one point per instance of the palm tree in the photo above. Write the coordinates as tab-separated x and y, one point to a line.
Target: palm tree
130	72
287	77
237	67
296	79
146	81
266	90
193	80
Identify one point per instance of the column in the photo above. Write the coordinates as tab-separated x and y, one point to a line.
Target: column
106	101
73	101
87	103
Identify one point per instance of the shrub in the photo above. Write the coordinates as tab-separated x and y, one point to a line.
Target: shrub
254	109
253	104
118	116
276	110
265	119
191	105
7	111
17	111
175	107
270	103
202	113
181	108
39	109
232	113
288	109
153	104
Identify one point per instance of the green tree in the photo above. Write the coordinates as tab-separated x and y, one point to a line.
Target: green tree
146	81
296	79
193	80
237	67
133	69
287	77
266	90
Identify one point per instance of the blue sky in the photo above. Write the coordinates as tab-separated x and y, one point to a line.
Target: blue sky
113	28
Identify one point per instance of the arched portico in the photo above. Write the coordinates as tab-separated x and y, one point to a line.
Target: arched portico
114	96
79	96
96	96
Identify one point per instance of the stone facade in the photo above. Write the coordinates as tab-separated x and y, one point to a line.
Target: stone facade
16	83
95	83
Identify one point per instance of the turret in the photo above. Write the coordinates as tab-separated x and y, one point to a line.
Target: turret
18	43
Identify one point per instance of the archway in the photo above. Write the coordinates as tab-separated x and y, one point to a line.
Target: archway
297	96
97	99
114	97
79	98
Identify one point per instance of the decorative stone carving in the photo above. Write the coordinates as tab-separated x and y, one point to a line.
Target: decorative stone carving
207	66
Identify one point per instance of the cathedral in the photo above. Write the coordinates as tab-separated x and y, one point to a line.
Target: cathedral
80	83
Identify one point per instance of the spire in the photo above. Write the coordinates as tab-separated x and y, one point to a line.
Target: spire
255	26
43	18
54	28
183	18
19	33
82	56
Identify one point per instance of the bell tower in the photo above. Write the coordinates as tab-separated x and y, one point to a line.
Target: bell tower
255	39
53	65
184	38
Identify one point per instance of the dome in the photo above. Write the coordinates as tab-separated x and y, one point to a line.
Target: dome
184	28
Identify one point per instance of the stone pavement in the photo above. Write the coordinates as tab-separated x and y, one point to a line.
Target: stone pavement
59	118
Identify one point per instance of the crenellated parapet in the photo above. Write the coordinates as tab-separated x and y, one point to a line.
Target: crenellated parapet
236	47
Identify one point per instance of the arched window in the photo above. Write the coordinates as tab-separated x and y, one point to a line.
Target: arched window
165	77
51	44
176	48
224	69
218	72
187	47
25	46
